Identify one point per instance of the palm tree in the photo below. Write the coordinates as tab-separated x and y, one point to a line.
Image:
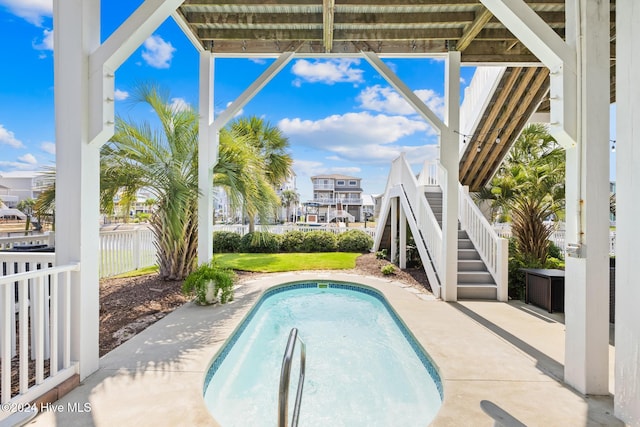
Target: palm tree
530	188
240	171
289	197
164	162
271	147
26	206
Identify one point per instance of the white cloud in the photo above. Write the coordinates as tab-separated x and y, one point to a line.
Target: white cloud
28	158
7	137
463	80
32	11
157	52
327	71
258	60
120	95
359	137
47	41
179	104
16	165
386	100
48	147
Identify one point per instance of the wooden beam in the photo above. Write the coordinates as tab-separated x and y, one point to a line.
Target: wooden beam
473	29
327	24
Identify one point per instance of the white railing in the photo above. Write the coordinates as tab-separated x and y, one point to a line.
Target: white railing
430	174
557	237
35	332
493	250
122	251
476	98
403	184
47	238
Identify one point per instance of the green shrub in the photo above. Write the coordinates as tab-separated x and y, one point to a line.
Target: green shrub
260	242
388	269
197	284
354	241
226	241
554	251
319	241
381	254
292	241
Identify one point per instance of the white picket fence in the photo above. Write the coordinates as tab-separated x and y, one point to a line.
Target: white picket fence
557	237
120	251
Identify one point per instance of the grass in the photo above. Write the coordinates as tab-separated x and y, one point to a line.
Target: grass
136	273
272	263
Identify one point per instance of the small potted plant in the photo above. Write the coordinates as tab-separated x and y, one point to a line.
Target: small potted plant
210	283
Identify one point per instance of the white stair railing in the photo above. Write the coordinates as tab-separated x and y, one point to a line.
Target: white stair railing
403	184
493	250
36	304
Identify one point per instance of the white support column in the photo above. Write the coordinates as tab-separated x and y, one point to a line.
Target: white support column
77	24
449	156
207	158
627	392
394	228
587	195
402	262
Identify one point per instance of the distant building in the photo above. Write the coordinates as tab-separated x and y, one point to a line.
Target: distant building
338	198
22	185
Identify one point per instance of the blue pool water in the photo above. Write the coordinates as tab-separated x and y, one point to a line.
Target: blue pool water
362	367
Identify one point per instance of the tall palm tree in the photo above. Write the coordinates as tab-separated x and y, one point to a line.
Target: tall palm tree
529	187
27	207
241	172
165	162
271	147
289	197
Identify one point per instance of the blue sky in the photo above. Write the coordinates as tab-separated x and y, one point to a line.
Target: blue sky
340	116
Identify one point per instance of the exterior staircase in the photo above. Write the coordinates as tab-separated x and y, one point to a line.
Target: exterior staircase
474	280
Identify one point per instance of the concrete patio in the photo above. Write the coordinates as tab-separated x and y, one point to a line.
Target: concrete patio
509	354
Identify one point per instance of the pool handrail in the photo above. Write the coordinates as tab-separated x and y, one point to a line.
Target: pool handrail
285	374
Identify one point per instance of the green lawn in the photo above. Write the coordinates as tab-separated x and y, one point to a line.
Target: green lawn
271	263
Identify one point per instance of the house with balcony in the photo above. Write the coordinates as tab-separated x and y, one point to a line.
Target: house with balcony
338	197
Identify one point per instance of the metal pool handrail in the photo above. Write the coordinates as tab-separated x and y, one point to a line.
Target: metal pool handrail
285	374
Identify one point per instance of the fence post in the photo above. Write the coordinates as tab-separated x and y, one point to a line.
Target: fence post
503	270
136	249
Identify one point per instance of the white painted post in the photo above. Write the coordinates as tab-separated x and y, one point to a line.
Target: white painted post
207	158
587	195
403	239
627	388
449	156
394	228
77	35
503	270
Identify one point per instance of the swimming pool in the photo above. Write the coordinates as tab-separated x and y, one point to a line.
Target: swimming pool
363	368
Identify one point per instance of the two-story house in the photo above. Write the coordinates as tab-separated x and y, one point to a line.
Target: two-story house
339	197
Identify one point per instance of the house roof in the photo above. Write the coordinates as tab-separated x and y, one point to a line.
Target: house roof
334	176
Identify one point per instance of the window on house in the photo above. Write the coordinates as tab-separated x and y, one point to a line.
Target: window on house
353	183
340	183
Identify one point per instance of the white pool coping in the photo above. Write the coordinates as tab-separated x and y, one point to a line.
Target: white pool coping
508	354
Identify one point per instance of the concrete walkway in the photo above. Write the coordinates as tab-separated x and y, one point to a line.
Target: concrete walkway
509	355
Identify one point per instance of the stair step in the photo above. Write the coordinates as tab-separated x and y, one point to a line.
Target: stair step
465	244
471	265
468	254
477	291
461	233
475	277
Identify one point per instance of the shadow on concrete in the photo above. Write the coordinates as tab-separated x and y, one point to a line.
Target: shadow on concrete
600	408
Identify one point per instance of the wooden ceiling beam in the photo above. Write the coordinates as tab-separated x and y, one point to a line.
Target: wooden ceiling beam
473	29
327	24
